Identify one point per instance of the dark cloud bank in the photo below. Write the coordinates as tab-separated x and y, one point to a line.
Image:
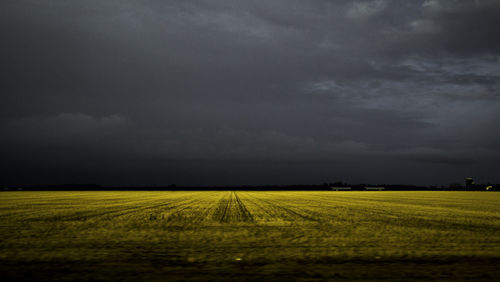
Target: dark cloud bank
249	92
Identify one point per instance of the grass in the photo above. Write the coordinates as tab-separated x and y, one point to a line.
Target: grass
244	235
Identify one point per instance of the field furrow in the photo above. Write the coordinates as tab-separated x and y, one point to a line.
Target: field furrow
230	208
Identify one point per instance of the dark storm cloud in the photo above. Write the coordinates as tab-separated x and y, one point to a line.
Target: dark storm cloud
242	92
466	27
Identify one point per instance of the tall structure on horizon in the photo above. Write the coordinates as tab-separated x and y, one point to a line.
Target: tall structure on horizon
469	184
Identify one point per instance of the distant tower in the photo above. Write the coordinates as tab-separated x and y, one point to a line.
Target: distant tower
469	184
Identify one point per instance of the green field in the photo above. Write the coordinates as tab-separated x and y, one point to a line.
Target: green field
227	235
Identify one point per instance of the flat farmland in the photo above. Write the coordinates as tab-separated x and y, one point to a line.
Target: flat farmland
244	235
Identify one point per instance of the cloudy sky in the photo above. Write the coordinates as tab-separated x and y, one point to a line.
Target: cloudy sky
226	92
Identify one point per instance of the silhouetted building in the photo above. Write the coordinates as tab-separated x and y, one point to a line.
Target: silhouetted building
374	188
469	184
341	188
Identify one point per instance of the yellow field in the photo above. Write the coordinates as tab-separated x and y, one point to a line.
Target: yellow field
244	235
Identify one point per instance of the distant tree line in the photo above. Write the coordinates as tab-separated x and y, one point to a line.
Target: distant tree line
297	187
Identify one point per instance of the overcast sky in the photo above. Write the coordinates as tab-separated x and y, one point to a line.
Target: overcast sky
227	92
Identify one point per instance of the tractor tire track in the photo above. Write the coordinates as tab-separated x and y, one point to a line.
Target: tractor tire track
286	212
269	213
244	213
221	213
112	213
231	208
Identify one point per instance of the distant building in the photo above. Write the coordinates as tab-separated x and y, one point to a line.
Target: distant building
469	184
374	188
341	188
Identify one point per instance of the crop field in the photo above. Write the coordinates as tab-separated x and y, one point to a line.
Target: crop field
245	235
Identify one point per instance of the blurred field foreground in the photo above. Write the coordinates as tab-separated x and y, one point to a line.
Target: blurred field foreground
245	235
